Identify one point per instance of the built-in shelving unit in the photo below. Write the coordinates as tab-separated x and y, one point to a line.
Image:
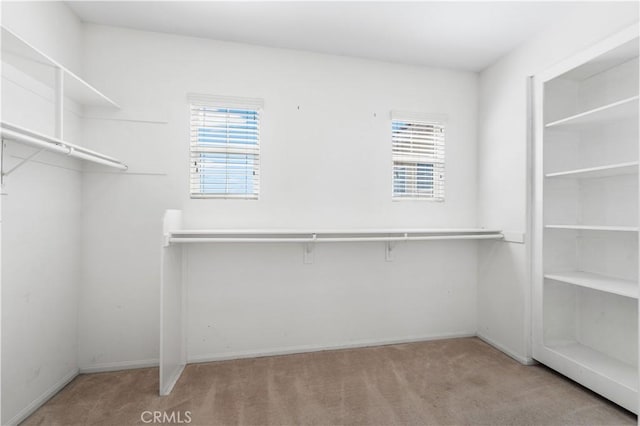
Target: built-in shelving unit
64	84
585	218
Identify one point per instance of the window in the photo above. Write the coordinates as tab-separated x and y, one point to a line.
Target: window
418	157
225	147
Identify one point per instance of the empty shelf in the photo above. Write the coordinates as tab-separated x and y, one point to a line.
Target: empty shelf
598	172
603	364
598	282
41	67
595	228
625	108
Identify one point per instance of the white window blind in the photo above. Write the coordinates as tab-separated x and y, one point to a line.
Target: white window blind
225	147
418	157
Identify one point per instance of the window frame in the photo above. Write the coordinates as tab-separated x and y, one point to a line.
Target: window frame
410	162
233	105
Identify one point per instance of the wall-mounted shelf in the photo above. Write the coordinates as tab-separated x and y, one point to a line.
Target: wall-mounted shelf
327	236
595	228
625	108
620	169
598	282
41	67
44	142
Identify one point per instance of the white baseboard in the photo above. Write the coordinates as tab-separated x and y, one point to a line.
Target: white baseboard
521	359
315	348
44	397
120	365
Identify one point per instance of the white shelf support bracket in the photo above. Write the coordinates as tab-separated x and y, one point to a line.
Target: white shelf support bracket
388	251
308	256
21	163
59	103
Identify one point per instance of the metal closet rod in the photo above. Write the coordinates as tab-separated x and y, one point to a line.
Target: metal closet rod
38	140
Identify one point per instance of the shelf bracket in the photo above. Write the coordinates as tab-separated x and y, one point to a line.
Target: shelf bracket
308	256
390	246
21	163
388	251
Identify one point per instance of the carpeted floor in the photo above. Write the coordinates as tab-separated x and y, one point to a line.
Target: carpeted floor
446	382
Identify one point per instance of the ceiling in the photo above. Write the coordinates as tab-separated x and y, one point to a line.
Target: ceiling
461	35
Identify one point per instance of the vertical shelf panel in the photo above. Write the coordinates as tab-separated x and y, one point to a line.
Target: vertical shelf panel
172	335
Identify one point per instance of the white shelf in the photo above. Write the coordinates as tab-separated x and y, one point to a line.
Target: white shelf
604	365
310	236
620	169
41	67
595	228
625	108
38	140
598	282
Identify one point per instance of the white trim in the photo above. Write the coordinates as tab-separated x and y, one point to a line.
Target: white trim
119	366
225	101
419	116
588	54
318	348
43	398
525	360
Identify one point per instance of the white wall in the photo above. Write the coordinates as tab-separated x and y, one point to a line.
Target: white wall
504	288
40	219
324	165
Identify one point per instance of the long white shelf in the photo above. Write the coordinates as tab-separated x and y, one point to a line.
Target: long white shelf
598	282
624	108
309	236
41	67
595	228
603	364
619	169
38	140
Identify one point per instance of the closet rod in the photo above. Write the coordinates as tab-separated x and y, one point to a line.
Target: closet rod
495	236
18	134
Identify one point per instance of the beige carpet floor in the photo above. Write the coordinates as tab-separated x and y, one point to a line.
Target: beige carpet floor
446	382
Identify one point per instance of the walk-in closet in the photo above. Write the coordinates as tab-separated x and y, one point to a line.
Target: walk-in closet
305	212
